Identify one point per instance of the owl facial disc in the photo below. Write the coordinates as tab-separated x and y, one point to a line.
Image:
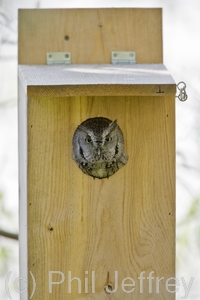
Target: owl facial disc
98	147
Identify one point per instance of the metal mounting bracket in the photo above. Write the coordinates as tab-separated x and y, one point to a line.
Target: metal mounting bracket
123	57
58	58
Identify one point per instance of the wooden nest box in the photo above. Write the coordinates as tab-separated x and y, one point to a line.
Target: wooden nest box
82	238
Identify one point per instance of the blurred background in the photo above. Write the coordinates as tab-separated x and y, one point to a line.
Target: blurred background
181	47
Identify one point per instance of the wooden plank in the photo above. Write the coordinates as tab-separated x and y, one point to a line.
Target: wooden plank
102	90
125	223
102	80
93	34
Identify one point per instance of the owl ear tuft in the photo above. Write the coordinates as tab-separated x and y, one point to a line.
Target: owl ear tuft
112	125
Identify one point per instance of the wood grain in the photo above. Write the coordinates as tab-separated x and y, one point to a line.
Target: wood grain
124	223
93	34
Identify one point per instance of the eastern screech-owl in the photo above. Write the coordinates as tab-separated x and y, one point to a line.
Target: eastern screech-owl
98	147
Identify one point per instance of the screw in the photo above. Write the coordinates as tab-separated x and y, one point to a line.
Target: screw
115	54
66	55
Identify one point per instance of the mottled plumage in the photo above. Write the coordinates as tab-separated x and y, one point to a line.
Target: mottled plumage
98	147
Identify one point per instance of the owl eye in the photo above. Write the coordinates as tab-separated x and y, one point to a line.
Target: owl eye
108	139
88	140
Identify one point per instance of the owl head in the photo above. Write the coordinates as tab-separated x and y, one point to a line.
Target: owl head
98	144
96	139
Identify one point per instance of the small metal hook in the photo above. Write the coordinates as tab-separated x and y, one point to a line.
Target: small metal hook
182	96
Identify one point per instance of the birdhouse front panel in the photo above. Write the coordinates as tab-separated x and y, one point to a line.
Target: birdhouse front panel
97	172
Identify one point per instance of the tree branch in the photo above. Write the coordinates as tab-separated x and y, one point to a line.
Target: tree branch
6	234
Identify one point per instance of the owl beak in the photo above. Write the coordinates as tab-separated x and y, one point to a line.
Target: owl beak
99	151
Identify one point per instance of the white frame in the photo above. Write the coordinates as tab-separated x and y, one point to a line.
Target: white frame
23	216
